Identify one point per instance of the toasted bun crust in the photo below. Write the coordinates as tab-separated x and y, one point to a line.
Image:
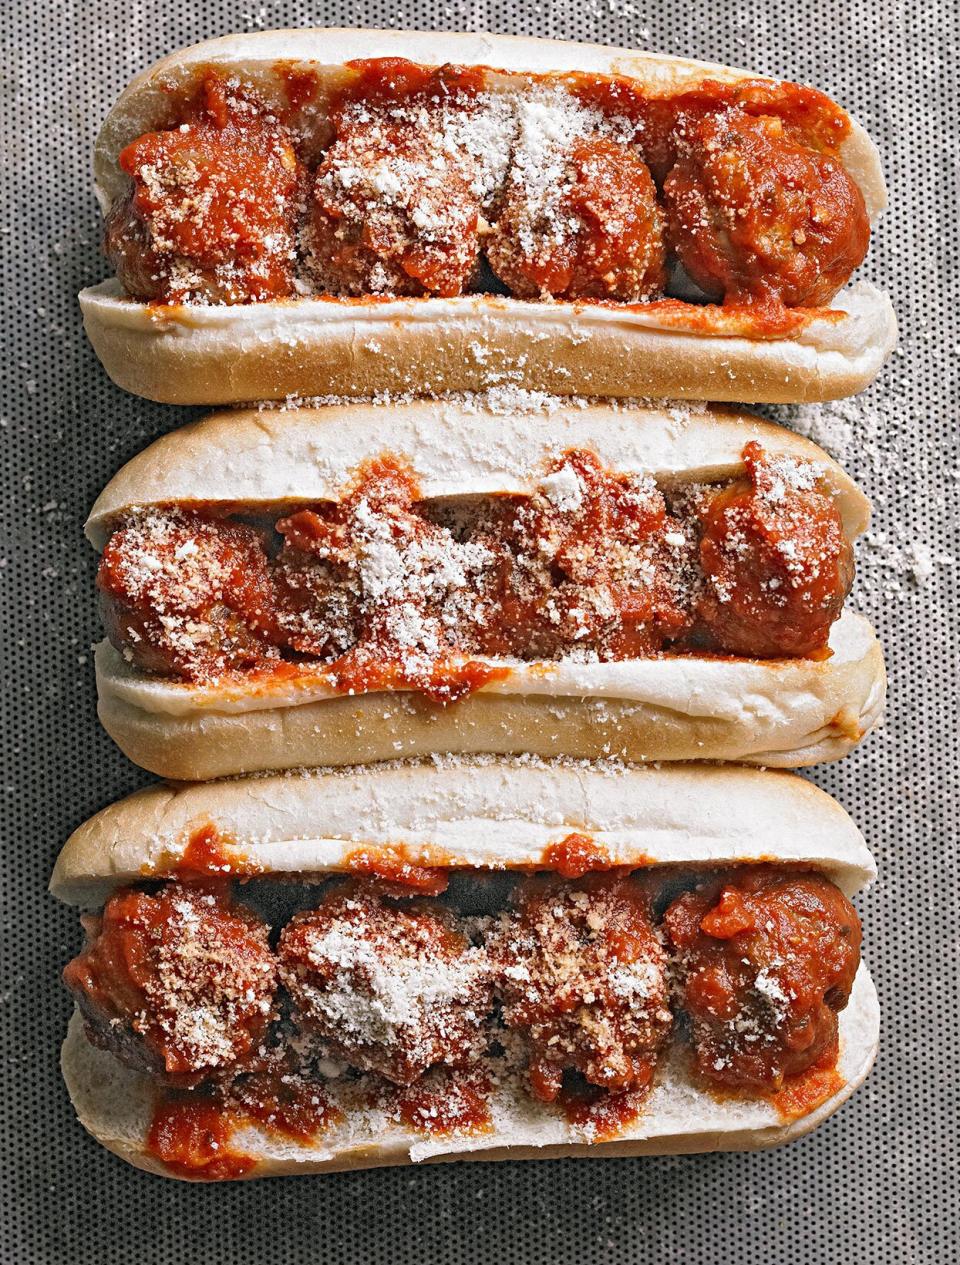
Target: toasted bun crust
784	713
114	1104
471	813
308	347
456	447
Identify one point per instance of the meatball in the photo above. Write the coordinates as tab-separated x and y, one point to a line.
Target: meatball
776	563
317	595
391	213
594	234
212	215
186	595
753	214
582	976
389	986
373	580
591	563
180	983
766	959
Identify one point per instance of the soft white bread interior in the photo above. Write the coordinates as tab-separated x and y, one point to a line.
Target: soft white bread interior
114	1104
470	813
269	351
785	713
488	444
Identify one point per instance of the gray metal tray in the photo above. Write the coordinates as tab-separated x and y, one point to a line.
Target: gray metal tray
876	1184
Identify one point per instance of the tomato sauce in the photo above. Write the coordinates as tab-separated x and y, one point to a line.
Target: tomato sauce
394	866
445	683
447	1103
801	1094
209	852
300	83
284	1104
601	1114
190	1134
382	80
806	112
576	855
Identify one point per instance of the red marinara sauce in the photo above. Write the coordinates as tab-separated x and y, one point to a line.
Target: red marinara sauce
446	1102
801	1094
446	682
601	1114
807	114
384	80
190	1135
210	853
393	866
301	84
283	1103
576	855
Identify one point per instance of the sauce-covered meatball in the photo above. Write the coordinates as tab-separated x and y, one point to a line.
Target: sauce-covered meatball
776	563
595	233
212	215
390	214
752	213
765	962
392	986
591	563
583	978
187	595
180	983
375	581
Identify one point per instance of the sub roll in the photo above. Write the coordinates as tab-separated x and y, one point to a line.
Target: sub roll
466	959
349	212
361	583
487	583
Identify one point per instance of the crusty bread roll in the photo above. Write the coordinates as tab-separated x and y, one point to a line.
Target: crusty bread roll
482	814
220	355
784	713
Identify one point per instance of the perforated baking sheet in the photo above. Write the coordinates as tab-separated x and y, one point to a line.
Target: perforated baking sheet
879	1182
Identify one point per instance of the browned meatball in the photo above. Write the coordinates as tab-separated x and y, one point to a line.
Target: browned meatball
180	983
392	987
752	213
596	234
188	595
583	977
766	959
590	563
775	559
374	581
390	214
212	214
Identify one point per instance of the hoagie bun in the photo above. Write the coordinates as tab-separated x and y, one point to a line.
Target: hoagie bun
783	711
474	818
345	344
